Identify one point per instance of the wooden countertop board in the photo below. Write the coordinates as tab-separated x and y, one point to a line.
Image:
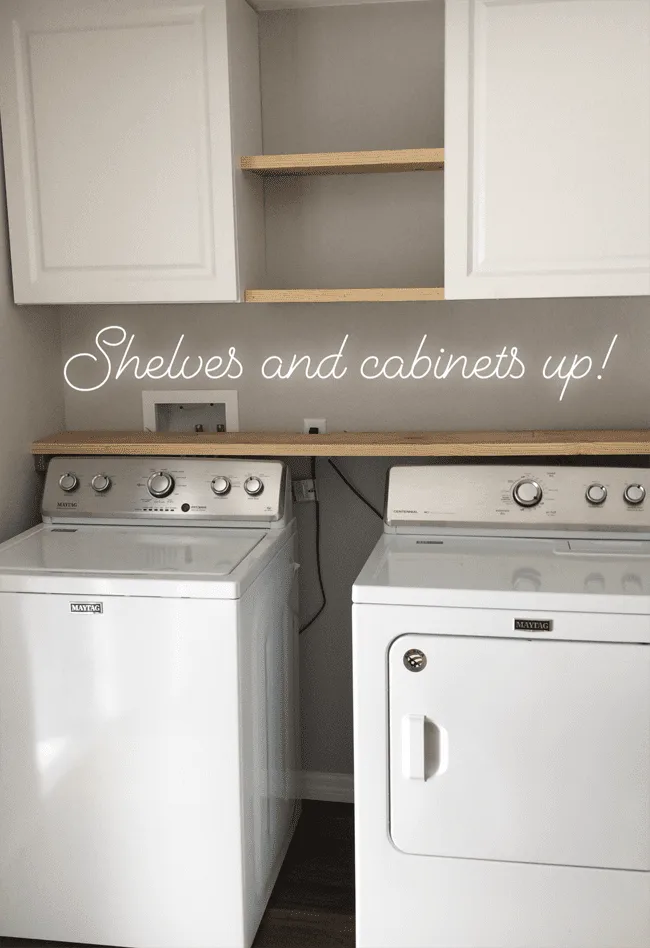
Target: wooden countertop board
350	444
346	162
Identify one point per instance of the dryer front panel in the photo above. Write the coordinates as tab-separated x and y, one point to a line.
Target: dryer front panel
519	750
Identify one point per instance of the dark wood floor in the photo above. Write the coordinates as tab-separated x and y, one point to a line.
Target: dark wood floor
312	905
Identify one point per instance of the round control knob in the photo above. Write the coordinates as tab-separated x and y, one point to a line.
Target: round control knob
253	486
100	483
220	486
596	494
634	494
527	493
68	482
160	484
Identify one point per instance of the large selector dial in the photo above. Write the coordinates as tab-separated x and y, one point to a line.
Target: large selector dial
634	494
253	486
527	492
68	482
160	484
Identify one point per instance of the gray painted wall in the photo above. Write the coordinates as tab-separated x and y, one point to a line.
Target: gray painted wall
346	78
342	79
31	393
537	327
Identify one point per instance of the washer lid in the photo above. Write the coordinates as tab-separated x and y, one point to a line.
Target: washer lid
605	575
154	552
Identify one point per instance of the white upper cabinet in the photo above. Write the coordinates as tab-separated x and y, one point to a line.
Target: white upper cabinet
122	124
547	148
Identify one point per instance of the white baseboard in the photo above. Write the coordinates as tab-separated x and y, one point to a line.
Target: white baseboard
334	788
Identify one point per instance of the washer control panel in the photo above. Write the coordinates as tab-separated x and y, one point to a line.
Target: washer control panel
535	497
170	490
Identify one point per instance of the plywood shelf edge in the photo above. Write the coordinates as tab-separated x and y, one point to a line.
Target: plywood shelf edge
346	162
413	294
349	444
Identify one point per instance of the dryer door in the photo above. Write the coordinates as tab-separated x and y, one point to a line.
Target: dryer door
525	751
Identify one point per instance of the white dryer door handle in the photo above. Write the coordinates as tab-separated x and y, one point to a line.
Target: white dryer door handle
418	753
413	738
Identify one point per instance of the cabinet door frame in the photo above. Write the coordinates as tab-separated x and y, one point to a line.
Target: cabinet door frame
465	218
213	277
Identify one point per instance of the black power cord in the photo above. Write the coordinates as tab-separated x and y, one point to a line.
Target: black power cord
355	491
319	573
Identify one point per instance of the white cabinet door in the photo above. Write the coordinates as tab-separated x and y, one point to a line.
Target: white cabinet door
118	141
547	148
521	751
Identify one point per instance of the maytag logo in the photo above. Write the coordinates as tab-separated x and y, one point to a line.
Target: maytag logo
533	625
65	503
91	607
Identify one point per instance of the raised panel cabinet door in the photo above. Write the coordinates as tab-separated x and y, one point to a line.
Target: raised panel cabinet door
547	148
118	149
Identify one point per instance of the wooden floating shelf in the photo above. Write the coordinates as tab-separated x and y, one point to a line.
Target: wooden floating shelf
460	444
347	162
413	294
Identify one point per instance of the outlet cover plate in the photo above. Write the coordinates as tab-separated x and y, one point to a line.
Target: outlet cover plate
304	490
320	423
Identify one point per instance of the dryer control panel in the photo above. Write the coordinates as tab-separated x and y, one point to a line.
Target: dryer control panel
167	490
530	497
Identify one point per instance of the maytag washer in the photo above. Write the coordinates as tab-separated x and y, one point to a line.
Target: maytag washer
148	696
502	711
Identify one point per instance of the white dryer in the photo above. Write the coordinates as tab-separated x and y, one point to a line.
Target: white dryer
502	711
148	703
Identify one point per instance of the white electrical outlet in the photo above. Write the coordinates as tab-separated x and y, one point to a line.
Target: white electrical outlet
308	423
304	490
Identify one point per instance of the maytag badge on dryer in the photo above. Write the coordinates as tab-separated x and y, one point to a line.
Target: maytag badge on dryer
88	607
533	625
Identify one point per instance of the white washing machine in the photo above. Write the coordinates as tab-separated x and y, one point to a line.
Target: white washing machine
147	703
502	711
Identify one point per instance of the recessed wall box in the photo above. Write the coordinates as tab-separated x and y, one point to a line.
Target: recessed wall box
200	411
